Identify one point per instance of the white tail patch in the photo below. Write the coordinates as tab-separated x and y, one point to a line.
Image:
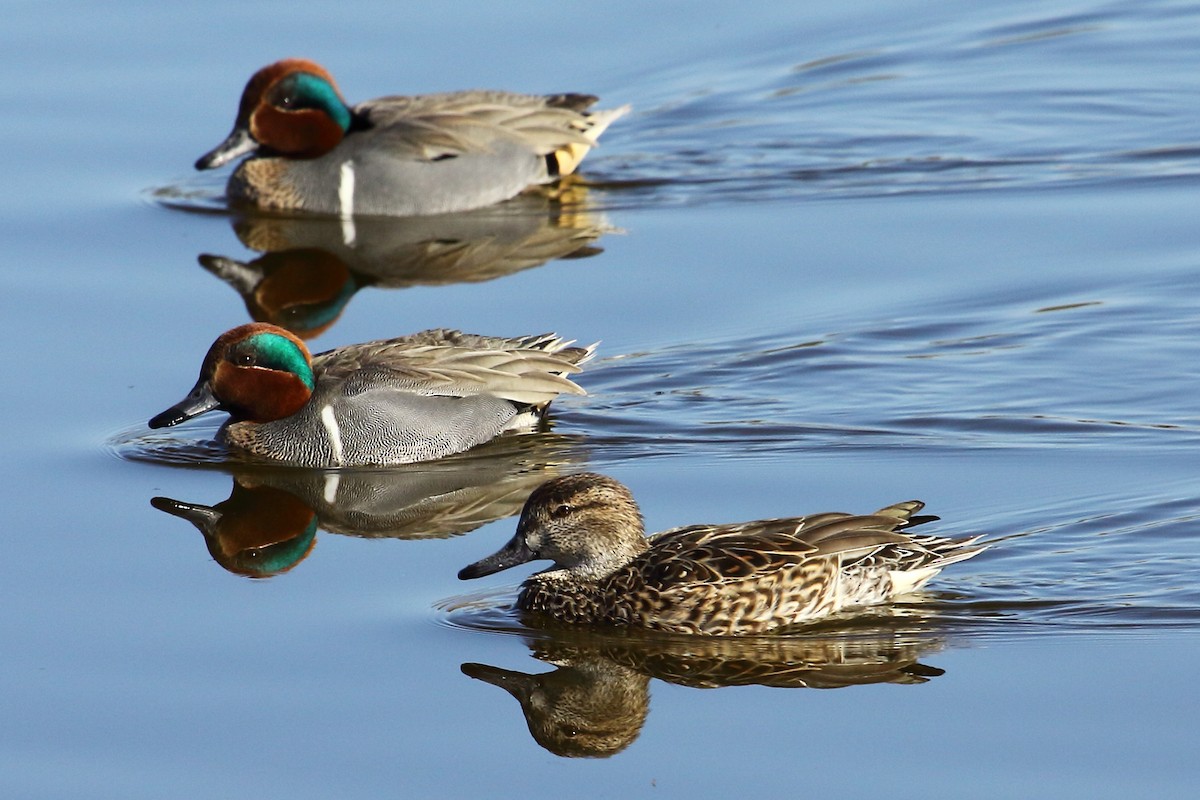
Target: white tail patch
335	435
911	580
346	202
525	421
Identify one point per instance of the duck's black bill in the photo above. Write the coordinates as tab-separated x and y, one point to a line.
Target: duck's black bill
202	517
199	400
238	143
512	554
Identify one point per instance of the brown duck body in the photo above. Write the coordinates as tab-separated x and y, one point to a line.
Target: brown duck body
745	578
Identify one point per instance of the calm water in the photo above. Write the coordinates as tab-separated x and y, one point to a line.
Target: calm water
836	259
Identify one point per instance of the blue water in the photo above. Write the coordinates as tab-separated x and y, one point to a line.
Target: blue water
836	258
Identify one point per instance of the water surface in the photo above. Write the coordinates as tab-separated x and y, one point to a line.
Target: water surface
836	259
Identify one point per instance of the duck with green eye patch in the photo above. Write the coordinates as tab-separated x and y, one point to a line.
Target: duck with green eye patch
397	156
395	401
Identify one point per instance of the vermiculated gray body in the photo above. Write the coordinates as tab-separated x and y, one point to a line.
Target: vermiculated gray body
376	427
415	398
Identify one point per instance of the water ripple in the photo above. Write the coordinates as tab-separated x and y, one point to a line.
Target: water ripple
999	375
925	114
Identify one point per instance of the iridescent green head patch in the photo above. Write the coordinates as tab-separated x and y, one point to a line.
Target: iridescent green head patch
272	351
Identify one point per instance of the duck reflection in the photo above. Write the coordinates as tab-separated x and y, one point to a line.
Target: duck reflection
268	524
311	267
258	532
595	701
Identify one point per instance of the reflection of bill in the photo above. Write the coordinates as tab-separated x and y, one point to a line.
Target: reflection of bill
269	522
595	702
309	269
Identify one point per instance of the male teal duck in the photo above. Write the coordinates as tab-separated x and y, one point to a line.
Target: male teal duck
397	156
414	398
743	578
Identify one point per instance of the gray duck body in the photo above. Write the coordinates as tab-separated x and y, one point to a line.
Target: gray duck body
415	398
431	154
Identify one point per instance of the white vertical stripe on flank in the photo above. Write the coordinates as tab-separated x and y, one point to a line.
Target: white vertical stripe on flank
335	433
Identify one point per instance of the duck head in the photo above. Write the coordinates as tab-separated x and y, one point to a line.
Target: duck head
256	372
587	524
291	108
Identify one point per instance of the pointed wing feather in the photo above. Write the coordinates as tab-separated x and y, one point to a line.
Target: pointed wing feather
439	125
719	553
714	554
527	370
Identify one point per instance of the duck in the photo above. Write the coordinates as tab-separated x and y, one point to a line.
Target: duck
413	398
744	578
308	150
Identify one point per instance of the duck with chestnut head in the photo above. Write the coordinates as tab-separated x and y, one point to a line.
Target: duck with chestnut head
308	150
394	401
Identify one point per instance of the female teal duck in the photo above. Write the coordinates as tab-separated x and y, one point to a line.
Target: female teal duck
398	156
413	398
744	578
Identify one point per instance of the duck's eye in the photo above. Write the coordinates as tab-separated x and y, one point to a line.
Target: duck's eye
287	101
561	510
244	359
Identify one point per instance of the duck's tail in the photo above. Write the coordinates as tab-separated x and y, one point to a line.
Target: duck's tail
565	160
937	554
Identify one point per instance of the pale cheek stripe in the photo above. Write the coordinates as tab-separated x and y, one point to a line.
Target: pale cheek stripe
331	486
346	202
335	433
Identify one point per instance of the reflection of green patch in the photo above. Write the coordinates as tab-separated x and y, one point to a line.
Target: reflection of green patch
310	316
263	562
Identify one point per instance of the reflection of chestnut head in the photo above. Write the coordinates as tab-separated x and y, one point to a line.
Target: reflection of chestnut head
304	290
258	532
